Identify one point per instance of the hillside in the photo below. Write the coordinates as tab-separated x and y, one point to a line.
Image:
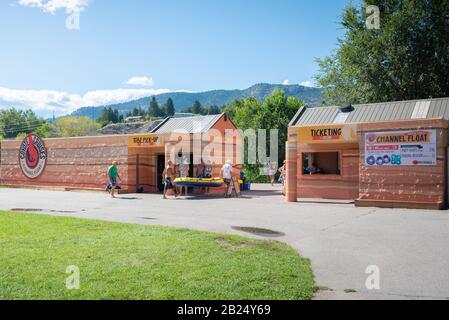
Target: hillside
183	100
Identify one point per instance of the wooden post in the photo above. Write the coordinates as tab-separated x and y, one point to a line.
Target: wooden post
291	189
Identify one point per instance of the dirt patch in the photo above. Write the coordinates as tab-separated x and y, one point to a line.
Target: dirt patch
260	232
233	246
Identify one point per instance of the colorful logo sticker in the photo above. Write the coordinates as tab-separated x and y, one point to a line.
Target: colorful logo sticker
32	156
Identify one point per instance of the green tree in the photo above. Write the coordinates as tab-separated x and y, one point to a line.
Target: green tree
212	110
407	58
274	113
109	115
197	108
169	108
13	122
155	111
74	127
44	130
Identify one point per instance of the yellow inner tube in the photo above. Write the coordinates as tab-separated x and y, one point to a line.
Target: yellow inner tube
204	180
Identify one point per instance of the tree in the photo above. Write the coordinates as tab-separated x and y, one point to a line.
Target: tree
74	127
212	110
197	108
13	122
44	130
109	115
407	58
169	108
154	110
274	113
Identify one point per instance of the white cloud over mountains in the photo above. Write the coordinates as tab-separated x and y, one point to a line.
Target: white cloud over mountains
306	84
51	6
45	102
141	81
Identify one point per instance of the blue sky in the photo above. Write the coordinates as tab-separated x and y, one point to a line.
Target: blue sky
160	46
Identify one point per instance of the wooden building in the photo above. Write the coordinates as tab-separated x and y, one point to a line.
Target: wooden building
391	154
81	163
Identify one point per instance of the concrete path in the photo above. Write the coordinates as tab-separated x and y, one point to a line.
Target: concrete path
410	247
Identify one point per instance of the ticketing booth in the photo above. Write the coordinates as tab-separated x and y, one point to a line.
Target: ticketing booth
392	154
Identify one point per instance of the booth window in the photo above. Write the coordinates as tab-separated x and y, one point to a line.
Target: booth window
321	163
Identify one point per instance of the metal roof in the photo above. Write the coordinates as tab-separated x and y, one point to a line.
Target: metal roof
196	124
375	112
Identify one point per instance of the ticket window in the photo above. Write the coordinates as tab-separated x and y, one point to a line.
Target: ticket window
321	163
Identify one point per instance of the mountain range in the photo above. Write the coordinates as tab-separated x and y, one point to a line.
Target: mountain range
183	100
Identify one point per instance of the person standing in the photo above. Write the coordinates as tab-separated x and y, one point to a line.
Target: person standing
113	175
184	167
226	174
208	170
272	171
283	171
169	176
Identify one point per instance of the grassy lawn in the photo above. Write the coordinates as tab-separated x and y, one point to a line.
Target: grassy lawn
122	261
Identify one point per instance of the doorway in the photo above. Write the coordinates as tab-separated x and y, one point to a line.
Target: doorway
160	170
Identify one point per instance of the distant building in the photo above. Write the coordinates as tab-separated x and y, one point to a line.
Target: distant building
134	119
183	115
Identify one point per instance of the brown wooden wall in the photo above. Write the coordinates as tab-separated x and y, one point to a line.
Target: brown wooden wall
72	162
328	186
409	186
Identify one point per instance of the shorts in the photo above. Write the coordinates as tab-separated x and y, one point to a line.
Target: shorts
113	182
227	181
168	184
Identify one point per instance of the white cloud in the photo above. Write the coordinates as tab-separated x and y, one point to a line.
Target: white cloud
306	84
141	81
286	82
45	102
51	6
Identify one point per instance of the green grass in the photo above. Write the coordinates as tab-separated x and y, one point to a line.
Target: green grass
123	261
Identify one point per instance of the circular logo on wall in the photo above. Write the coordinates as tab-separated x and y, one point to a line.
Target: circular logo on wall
32	156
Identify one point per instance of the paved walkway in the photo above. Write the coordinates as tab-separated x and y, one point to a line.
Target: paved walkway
410	247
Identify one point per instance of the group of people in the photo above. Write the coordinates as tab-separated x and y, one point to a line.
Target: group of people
272	169
202	170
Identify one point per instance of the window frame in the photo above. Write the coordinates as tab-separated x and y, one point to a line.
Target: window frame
339	165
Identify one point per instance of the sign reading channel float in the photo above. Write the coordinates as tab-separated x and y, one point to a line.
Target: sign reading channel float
401	148
145	140
327	134
32	156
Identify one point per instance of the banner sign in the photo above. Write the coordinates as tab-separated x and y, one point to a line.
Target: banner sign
145	140
327	134
401	148
32	156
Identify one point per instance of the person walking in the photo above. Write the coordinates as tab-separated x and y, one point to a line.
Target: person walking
283	171
184	167
169	176
272	171
113	175
226	175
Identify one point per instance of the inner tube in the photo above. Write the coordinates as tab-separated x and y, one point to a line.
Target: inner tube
197	182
